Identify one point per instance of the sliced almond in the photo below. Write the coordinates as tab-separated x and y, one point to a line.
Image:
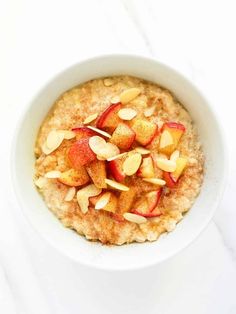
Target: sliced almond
70	194
83	201
132	163
148	112
166	165
103	200
175	155
108	151
40	182
99	131
155	181
134	218
115	99
166	139
116	156
160	124
54	139
46	150
142	150
54	174
97	143
127	113
91	118
84	194
129	94
68	135
116	185
100	158
108	82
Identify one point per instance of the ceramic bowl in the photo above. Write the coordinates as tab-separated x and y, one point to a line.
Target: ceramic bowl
132	256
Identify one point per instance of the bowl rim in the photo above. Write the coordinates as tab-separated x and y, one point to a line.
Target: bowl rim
20	199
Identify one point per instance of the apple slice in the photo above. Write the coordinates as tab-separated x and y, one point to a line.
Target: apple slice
146	169
74	177
172	178
115	167
83	132
97	172
80	153
123	136
109	118
145	131
126	200
170	137
145	206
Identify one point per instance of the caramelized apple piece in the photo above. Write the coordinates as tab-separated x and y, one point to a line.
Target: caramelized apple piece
123	136
172	132
97	172
145	131
80	153
74	177
109	118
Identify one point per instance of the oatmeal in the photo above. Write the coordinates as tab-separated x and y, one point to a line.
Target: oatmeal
118	160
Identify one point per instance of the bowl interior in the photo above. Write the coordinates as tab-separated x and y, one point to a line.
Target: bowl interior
134	255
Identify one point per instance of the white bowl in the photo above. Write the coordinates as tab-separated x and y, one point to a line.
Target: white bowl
135	255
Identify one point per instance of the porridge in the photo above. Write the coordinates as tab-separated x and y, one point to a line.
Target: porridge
118	160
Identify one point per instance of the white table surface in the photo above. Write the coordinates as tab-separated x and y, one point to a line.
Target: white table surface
38	39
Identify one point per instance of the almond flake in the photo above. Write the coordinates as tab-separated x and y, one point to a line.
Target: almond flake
132	163
97	143
99	131
54	174
175	155
116	185
155	181
116	156
148	112
127	113
70	194
142	150
115	100
135	218
84	194
166	165
46	150
160	124
68	135
54	139
166	139
83	201
40	182
103	200
109	150
108	82
100	158
129	94
91	118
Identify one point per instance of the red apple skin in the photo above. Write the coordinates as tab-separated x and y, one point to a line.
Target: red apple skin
173	125
115	169
83	132
109	114
151	209
170	181
80	154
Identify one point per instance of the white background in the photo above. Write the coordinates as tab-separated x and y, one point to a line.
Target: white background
38	39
